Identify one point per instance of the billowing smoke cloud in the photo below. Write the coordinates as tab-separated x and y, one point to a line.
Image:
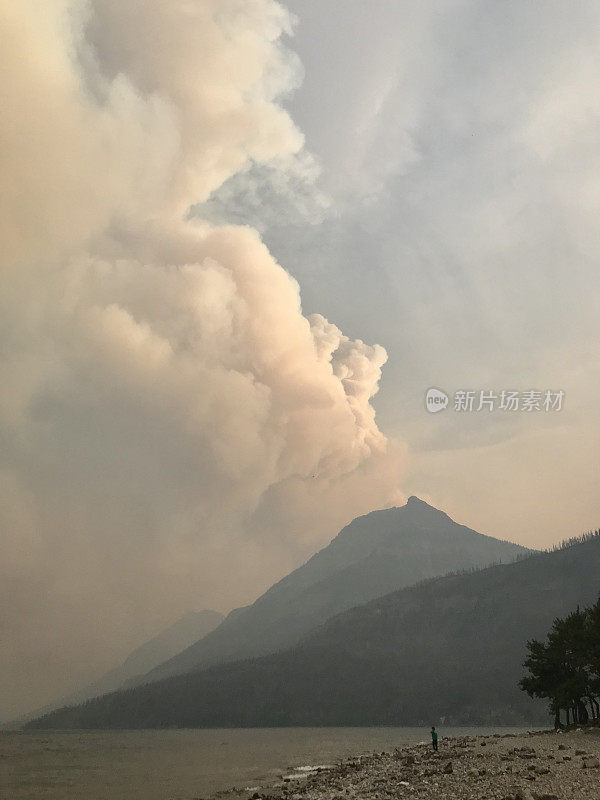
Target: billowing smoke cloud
175	432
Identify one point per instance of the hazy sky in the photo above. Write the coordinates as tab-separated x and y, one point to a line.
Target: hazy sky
459	144
186	413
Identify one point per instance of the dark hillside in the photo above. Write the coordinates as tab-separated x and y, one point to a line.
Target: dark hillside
373	555
450	649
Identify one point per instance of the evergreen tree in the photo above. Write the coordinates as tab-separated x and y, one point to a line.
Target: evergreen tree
566	667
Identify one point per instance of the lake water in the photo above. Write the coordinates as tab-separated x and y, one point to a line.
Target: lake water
181	764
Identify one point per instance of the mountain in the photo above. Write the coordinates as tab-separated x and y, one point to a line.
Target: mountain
446	651
373	555
172	640
167	643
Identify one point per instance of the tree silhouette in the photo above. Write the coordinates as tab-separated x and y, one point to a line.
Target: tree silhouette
565	668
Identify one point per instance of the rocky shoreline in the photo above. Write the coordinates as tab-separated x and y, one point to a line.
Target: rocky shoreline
542	765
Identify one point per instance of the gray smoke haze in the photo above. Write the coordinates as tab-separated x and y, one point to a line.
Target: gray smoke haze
175	433
458	141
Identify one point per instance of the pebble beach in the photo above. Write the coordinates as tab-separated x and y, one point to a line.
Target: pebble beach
542	765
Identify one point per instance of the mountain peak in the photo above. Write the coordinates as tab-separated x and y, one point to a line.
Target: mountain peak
413	500
415	503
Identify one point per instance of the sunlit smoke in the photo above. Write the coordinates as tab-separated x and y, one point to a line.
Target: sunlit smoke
175	432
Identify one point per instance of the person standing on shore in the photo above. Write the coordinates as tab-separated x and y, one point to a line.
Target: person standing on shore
434	742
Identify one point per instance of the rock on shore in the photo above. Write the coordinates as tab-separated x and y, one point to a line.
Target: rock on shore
534	766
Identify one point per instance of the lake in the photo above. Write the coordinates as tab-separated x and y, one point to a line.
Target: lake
181	764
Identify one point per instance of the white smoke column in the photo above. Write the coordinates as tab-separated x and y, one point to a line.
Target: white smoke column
175	433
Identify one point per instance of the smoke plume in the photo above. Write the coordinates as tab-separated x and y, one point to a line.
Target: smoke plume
175	433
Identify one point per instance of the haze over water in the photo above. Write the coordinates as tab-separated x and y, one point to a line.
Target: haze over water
181	764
